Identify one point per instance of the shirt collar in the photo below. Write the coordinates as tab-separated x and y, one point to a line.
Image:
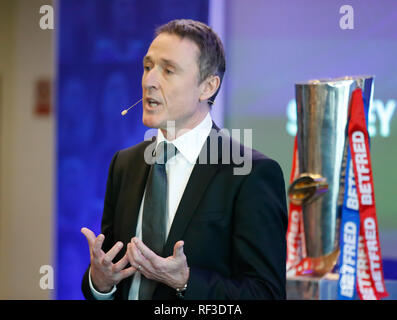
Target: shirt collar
190	143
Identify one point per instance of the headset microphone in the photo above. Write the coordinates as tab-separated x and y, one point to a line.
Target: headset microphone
124	112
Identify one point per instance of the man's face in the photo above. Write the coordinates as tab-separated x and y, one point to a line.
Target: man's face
170	83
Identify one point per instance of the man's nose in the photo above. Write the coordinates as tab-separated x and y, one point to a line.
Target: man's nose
150	79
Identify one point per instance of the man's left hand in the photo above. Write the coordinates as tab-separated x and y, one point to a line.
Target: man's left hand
172	271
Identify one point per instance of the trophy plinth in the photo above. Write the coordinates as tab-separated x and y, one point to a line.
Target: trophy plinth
312	288
325	288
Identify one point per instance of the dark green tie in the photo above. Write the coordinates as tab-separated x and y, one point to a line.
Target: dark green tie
154	219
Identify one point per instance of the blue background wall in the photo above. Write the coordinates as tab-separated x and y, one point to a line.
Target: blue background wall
100	49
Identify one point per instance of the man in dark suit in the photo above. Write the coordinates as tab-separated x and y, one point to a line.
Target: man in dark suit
223	221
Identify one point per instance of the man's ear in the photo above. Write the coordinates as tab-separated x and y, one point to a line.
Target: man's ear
209	86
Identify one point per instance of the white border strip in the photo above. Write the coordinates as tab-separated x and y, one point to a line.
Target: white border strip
216	20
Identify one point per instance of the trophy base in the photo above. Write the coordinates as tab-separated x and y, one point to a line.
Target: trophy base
325	288
312	288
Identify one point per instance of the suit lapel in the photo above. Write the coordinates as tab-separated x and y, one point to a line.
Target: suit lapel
199	179
137	174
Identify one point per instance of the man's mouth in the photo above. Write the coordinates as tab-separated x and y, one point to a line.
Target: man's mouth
153	102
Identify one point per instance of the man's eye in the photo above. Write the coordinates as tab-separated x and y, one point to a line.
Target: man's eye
168	71
146	68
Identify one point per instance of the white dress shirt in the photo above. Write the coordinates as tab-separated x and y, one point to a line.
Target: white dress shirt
178	171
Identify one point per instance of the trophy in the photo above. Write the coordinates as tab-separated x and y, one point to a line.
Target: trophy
322	115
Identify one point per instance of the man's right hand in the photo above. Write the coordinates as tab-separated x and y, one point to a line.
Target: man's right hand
105	274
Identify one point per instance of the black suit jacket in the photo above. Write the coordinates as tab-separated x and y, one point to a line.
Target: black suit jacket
233	226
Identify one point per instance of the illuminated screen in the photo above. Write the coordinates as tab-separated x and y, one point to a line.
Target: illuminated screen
271	45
